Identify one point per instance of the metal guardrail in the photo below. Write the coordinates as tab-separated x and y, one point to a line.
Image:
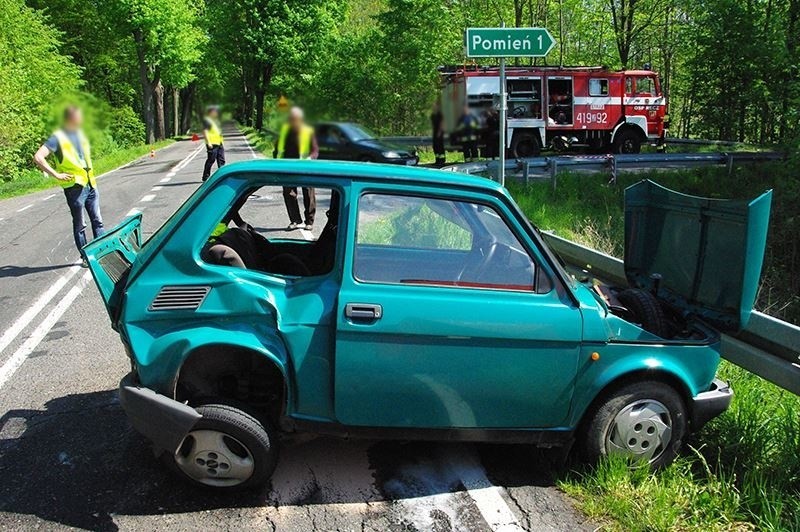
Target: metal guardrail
548	167
767	347
423	140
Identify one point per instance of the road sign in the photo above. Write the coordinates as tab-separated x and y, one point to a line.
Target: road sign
509	42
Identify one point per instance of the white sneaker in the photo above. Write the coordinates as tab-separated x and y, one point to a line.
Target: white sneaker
309	227
292	226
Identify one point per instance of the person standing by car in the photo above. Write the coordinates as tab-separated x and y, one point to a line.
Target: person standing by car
213	135
297	141
74	172
468	132
437	119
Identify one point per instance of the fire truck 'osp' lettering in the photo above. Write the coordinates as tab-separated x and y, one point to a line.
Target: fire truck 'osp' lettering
555	108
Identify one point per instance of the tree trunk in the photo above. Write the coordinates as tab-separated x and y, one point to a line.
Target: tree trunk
147	89
265	76
176	111
187	106
158	100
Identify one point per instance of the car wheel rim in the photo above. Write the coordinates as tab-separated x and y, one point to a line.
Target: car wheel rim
627	146
214	458
642	431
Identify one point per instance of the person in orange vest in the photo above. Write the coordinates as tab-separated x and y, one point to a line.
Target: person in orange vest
297	141
212	133
73	170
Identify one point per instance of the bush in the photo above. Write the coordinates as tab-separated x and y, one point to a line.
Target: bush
126	128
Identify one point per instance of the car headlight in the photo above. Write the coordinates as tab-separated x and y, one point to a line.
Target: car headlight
391	155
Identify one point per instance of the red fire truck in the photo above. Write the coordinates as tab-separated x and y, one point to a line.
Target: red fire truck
558	107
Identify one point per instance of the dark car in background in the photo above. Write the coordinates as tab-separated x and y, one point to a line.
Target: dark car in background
346	141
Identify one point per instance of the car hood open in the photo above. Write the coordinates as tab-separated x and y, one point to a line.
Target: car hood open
709	252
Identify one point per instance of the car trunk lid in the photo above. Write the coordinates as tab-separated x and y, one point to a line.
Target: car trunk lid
110	258
708	252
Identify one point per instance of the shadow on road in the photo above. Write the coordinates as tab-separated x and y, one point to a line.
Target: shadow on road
78	463
19	271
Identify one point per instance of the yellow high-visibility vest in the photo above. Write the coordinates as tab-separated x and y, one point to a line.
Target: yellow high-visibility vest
213	133
303	143
71	163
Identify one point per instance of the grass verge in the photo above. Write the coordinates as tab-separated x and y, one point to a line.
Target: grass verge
33	180
742	471
260	141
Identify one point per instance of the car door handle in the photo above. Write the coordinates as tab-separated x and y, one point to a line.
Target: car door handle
363	311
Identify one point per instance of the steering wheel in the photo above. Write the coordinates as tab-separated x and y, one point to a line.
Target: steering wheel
519	112
476	273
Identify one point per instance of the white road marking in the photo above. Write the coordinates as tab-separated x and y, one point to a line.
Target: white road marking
308	235
249	147
25	208
181	165
23	321
487	497
156	189
48	197
169	175
148	197
166	180
132	212
18	358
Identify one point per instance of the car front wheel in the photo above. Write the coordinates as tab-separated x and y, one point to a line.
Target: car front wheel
644	422
227	449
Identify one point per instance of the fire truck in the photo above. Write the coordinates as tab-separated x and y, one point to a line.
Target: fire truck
557	108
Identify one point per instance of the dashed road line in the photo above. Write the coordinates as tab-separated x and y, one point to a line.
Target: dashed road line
25	208
133	212
156	188
48	197
29	346
148	197
308	235
166	179
27	317
486	496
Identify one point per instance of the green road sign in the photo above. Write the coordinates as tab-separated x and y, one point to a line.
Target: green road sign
509	42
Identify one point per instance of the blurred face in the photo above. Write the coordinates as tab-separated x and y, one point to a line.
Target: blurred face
74	119
295	120
213	113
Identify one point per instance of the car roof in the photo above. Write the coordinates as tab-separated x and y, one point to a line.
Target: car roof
360	172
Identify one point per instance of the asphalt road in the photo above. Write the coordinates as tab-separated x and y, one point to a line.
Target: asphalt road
68	457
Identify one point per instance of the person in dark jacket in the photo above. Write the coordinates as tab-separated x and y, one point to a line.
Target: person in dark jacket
468	132
437	124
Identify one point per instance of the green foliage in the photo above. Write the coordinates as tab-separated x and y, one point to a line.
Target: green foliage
415	227
126	128
33	76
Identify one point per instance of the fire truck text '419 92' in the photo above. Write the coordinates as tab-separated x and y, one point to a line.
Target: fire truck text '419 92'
558	108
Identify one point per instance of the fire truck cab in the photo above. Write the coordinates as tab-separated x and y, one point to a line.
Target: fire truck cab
558	108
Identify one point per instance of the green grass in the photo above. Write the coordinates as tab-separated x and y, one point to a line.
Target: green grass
415	227
742	471
33	180
426	156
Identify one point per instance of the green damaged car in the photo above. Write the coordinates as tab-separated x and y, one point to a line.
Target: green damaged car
428	307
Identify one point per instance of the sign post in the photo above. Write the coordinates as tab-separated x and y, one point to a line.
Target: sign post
505	42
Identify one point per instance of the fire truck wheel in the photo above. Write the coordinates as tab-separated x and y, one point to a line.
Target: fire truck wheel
525	145
628	141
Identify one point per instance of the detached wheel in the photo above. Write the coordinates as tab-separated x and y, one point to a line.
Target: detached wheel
525	145
644	422
228	449
628	141
647	311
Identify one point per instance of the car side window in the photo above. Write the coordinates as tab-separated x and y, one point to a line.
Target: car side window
419	240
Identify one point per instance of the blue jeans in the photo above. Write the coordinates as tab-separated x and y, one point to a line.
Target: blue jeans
78	199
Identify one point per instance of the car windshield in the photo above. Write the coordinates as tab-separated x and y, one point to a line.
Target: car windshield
355	132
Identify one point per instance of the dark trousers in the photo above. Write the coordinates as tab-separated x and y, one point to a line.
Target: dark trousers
309	202
470	148
438	148
86	198
214	153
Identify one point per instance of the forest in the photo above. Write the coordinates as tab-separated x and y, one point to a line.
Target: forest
147	68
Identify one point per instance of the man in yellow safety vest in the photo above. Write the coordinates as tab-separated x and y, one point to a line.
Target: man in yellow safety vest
297	141
213	136
72	168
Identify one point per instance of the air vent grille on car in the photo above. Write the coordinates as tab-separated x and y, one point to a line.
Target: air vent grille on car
180	297
115	265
